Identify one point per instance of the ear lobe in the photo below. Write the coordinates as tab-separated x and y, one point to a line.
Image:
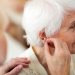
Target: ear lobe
42	35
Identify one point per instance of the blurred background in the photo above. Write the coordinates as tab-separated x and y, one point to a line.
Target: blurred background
12	42
11	11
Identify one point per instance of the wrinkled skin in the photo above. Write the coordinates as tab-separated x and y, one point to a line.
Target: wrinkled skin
67	31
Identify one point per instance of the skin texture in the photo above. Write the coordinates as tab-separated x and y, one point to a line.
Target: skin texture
67	31
57	58
14	66
65	34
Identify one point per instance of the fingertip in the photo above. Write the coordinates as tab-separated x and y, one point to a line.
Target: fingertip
26	66
28	61
20	66
45	44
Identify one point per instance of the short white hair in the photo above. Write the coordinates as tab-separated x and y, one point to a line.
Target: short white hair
67	4
43	15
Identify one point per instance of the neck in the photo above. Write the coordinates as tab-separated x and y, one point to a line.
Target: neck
39	51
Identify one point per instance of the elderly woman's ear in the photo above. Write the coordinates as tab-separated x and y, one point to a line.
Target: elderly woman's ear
42	35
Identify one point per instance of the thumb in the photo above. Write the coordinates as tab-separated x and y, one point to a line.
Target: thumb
16	70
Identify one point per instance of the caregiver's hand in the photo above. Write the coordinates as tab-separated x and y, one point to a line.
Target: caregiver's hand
58	60
14	66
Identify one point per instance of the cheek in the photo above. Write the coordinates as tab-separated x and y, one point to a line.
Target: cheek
69	38
65	36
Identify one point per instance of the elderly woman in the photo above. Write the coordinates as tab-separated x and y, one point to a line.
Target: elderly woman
46	19
52	20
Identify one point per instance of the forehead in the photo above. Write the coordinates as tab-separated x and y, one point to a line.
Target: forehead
69	17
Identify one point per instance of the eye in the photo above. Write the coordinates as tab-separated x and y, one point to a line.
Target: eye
72	26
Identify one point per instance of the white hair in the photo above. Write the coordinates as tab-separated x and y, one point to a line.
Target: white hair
67	4
44	15
39	16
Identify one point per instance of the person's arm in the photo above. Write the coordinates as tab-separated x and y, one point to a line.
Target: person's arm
57	58
14	66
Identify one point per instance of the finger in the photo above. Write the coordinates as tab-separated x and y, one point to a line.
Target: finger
47	51
16	70
65	48
14	63
7	67
21	59
57	44
25	65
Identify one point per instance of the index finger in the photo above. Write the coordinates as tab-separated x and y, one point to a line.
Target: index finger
14	62
15	71
56	43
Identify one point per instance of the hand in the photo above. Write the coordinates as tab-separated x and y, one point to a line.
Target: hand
14	66
58	60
